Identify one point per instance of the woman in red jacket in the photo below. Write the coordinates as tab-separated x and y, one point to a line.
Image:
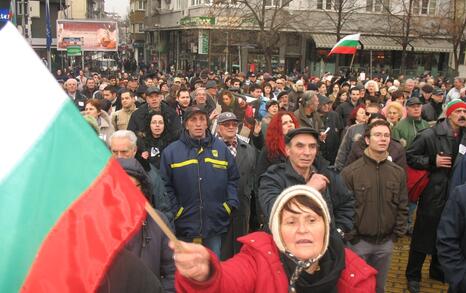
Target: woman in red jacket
299	256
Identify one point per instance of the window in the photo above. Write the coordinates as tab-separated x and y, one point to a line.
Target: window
324	4
279	3
141	27
142	5
377	5
196	2
19	8
424	7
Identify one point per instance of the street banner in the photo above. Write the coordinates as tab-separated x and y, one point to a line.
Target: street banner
66	206
95	35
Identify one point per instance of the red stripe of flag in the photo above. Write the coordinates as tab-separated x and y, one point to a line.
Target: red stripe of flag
78	250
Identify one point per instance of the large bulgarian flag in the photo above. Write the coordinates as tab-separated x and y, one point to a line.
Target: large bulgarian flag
66	207
347	45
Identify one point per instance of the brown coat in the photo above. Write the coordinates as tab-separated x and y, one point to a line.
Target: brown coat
381	199
121	117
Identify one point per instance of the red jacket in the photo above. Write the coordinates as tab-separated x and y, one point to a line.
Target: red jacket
257	268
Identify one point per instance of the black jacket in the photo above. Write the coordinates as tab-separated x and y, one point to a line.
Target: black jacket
128	274
431	111
140	118
339	199
329	148
239	224
422	155
150	244
451	240
344	110
395	149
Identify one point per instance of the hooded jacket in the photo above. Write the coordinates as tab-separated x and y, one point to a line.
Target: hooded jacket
201	181
265	265
257	268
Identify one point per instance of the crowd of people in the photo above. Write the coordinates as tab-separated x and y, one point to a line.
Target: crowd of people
274	183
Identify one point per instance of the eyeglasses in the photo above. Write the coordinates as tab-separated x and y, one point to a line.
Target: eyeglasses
369	114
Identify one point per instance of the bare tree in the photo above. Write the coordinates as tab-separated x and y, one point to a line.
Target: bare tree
340	13
269	18
403	25
451	23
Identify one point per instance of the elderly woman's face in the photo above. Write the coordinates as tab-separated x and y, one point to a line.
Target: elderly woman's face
392	115
302	231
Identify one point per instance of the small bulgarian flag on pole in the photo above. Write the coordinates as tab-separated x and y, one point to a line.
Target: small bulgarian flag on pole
347	45
66	207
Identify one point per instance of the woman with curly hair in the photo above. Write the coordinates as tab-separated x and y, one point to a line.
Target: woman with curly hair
273	151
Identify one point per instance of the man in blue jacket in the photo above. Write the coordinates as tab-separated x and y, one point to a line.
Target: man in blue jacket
451	240
201	179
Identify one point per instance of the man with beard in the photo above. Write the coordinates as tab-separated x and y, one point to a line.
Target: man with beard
436	150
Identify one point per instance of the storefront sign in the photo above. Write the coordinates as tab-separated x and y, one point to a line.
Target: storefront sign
73	51
197	20
203	42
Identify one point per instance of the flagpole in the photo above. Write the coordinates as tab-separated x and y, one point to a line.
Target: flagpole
163	226
48	34
352	60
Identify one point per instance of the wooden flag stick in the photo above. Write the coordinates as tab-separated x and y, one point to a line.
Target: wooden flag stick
352	60
162	225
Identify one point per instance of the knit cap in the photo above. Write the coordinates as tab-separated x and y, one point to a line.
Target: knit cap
453	105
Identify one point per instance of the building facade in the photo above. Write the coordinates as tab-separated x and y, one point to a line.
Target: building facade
222	35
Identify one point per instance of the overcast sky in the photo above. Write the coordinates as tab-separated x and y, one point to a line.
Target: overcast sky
118	6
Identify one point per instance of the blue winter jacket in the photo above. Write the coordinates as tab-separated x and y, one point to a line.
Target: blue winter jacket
201	179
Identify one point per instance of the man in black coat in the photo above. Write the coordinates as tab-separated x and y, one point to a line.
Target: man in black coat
345	109
451	240
245	158
332	128
432	110
140	118
305	167
437	150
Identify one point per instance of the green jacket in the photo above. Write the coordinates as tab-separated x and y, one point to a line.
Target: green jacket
406	130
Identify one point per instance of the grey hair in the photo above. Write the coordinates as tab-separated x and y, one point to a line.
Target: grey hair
460	79
307	97
376	85
69	80
199	89
128	134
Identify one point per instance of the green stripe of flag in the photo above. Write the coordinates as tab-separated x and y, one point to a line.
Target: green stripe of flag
59	178
348	43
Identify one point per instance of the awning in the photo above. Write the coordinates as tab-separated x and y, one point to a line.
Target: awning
387	44
429	45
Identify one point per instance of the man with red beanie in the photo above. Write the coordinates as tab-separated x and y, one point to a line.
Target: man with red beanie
437	150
